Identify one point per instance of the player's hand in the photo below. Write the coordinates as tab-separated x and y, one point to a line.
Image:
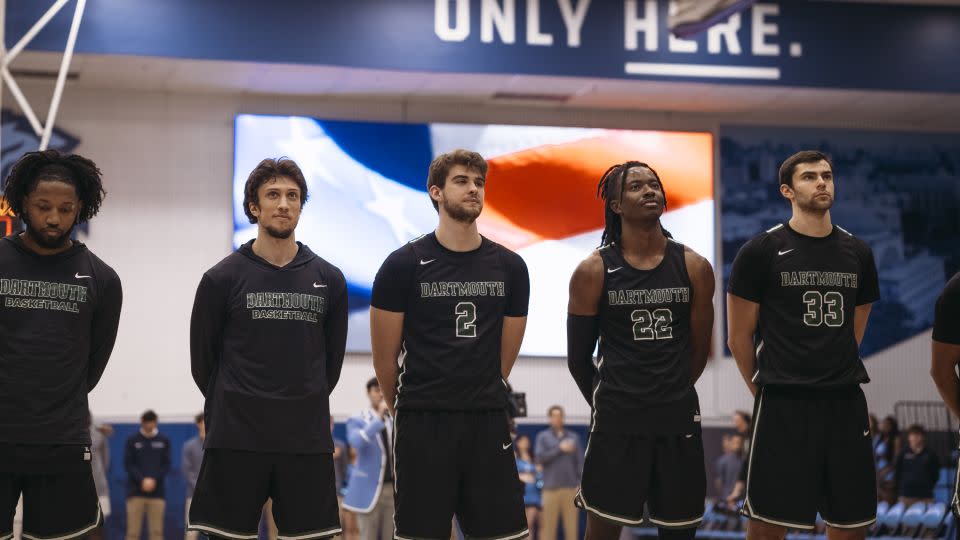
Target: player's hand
336	452
567	446
148	485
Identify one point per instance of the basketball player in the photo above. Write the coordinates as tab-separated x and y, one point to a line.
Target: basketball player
946	355
649	299
59	311
267	339
452	306
805	289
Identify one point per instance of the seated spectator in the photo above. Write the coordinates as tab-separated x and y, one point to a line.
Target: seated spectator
917	469
728	465
886	448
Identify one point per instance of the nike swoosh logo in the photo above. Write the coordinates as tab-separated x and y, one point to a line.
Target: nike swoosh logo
317	285
423	262
612	270
785	252
508	445
78	276
866	432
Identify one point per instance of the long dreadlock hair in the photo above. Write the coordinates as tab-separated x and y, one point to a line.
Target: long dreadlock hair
78	171
610	189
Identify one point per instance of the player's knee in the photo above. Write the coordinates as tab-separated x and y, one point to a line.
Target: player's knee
761	530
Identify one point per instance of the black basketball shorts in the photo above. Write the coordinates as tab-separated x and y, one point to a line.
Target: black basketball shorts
456	463
233	486
59	496
811	452
622	472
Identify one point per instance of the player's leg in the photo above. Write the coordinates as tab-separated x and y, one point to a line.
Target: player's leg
231	488
491	493
617	471
679	485
785	464
425	452
304	493
850	495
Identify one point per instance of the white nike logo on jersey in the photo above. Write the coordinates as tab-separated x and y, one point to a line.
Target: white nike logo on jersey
612	270
785	252
78	276
866	432
317	285
508	445
423	262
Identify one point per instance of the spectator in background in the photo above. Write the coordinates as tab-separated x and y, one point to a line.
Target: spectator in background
370	495
147	461
885	450
341	459
727	466
100	463
560	454
192	457
918	469
531	478
742	423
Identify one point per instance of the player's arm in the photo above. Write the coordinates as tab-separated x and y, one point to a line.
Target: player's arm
386	338
206	332
742	315
701	310
868	291
748	277
946	347
515	318
388	304
103	333
335	330
583	328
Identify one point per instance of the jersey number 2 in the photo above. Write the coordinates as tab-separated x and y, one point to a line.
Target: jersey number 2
824	308
466	317
654	325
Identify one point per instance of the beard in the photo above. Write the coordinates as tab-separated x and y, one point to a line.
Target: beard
282	234
815	204
460	212
44	240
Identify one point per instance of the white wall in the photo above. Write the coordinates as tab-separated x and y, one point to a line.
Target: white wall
167	161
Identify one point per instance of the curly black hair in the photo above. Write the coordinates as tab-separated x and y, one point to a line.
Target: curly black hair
610	189
78	171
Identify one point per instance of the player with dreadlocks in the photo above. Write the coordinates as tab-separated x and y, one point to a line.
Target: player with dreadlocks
59	310
649	299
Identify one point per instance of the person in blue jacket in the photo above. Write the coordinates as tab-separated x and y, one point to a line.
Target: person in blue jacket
532	480
369	492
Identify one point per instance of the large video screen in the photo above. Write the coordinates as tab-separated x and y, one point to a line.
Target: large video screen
367	185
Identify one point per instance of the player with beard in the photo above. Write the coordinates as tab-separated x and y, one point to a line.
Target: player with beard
804	288
59	311
649	300
267	338
452	306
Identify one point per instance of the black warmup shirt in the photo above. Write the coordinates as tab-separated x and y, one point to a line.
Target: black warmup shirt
644	364
946	320
808	289
454	304
266	347
58	323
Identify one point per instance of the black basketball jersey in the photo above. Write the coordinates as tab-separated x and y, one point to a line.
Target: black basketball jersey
946	321
644	364
453	305
808	289
58	324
